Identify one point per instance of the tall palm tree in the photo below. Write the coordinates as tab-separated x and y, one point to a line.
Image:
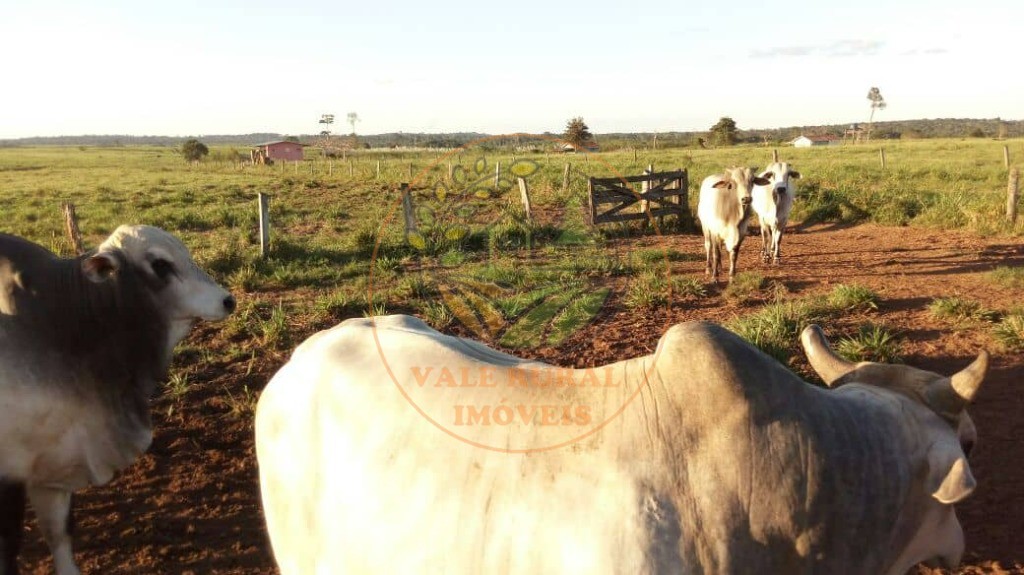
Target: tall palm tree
877	103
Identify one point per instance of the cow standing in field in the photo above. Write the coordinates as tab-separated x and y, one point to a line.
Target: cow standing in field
707	456
772	204
724	212
83	344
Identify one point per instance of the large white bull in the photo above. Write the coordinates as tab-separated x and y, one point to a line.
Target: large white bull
772	204
724	212
83	344
387	447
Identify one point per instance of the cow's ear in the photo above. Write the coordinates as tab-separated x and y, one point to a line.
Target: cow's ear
794	175
721	184
100	266
759	181
949	475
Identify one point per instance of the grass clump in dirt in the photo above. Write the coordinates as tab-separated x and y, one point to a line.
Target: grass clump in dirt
744	286
871	343
1007	276
958	309
775	329
852	297
1010	331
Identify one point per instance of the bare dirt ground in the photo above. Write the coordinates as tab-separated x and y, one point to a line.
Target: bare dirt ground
191	504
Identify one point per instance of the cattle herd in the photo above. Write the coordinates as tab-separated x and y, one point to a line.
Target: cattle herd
386	446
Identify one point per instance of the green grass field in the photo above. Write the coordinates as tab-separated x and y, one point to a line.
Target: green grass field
338	242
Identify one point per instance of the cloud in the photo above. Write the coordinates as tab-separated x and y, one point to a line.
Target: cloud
839	49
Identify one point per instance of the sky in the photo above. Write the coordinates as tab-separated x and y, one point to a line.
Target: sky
189	68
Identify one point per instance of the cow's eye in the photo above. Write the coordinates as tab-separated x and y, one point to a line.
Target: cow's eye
162	268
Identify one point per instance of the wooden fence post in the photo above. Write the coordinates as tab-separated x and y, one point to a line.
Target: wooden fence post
71	227
775	156
407	211
1011	196
645	206
296	164
881	156
330	167
410	171
634	154
524	192
263	200
497	173
378	169
565	177
351	169
451	172
1006	157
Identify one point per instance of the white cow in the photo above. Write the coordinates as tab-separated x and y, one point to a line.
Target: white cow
724	212
772	204
83	344
387	447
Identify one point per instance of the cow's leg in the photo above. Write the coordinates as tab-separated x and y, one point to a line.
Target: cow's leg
707	253
777	246
12	520
734	254
716	259
53	511
766	243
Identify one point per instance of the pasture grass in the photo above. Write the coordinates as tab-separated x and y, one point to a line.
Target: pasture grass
871	342
1007	276
326	226
852	297
960	310
1009	331
744	287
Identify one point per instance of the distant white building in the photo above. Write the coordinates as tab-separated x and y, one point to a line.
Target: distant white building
808	141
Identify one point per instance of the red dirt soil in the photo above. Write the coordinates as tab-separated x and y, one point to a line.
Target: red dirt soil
191	504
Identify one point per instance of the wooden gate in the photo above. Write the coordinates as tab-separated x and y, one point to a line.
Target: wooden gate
661	194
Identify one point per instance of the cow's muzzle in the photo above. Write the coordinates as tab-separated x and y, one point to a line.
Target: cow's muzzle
745	201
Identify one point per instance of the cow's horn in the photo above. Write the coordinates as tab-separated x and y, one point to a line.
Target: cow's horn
829	366
962	387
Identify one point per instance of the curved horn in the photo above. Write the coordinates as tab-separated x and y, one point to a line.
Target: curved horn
953	394
829	366
967	381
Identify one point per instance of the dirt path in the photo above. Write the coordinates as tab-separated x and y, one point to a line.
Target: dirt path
191	505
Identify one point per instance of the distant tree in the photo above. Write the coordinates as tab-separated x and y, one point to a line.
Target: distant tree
577	133
977	133
326	120
291	139
724	132
193	150
877	103
352	119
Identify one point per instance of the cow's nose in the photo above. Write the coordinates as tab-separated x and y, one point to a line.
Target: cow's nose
745	201
782	189
229	303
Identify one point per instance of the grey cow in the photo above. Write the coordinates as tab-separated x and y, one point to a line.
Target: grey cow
706	456
83	344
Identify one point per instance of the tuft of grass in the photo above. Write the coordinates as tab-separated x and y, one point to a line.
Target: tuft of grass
576	315
177	385
437	315
688	287
775	329
871	343
242	405
1007	276
647	291
1010	331
273	331
744	286
849	297
958	309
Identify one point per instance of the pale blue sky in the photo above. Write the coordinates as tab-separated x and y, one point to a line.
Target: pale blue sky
187	67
